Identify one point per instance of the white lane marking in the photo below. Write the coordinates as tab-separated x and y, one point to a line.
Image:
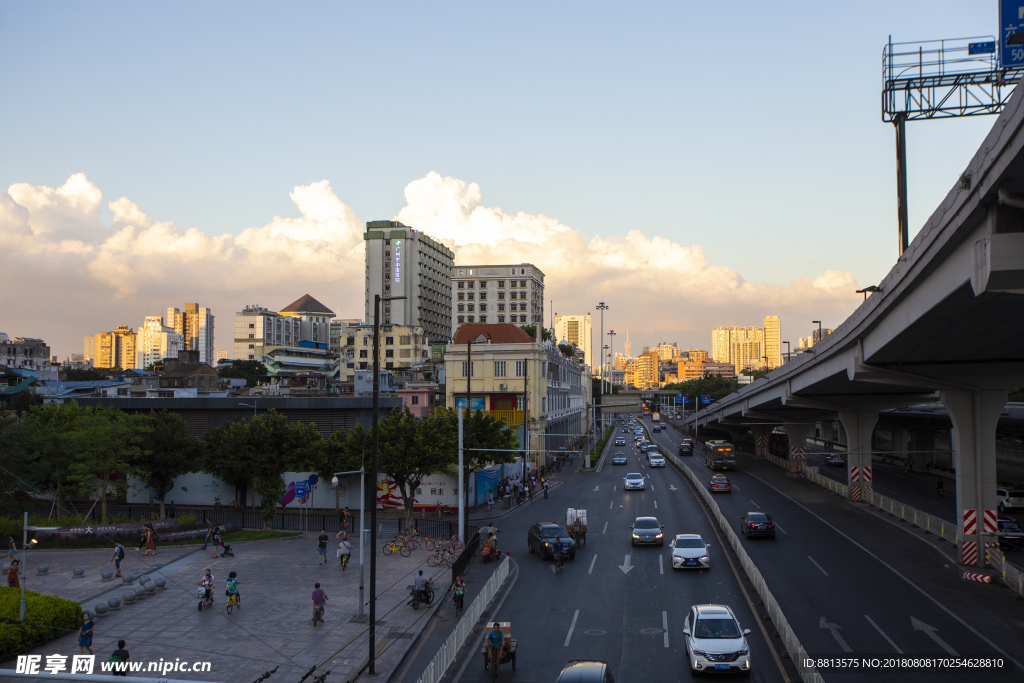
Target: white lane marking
819	567
615	488
605	529
887	638
591	570
735	487
572	626
930	632
655	505
834	628
755	504
652	487
664	625
781	529
661	564
611	504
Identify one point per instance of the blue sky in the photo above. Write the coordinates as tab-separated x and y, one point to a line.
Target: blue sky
749	130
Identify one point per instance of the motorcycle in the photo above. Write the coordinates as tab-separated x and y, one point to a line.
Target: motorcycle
205	600
490	551
425	596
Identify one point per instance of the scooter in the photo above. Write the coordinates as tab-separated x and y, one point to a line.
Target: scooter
204	599
425	596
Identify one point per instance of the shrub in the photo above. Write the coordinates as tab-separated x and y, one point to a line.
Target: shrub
46	617
187	520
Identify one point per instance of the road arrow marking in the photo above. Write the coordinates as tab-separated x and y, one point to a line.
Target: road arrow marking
834	628
626	567
671	487
930	632
596	488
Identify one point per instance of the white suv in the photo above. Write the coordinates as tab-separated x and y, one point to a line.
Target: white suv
715	641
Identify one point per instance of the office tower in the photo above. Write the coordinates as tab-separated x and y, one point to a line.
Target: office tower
402	261
627	348
773	340
156	341
498	294
195	324
575	329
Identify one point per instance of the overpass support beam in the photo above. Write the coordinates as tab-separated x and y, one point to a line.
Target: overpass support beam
797	433
859	427
975	415
761	436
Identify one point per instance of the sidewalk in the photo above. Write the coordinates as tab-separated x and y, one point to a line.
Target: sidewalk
273	627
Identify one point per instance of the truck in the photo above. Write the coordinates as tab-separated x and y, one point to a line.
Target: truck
720	455
656	417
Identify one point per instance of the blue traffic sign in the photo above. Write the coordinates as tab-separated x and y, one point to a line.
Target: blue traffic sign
686	399
705	399
679	398
1011	33
300	489
985	48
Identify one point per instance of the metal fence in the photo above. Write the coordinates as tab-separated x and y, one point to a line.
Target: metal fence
464	559
796	651
1013	578
829	483
935	525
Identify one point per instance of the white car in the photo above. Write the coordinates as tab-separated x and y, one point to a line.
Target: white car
690	551
634	480
655	459
1009	499
715	641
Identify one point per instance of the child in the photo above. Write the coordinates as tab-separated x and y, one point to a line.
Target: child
118	556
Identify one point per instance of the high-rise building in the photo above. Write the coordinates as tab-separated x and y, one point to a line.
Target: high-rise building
314	320
627	348
112	349
195	324
498	294
156	341
667	351
257	327
773	340
731	345
89	349
575	329
401	261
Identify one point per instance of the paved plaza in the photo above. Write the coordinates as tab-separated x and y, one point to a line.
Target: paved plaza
273	627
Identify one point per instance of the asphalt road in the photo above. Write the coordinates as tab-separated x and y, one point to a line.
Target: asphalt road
622	605
840	596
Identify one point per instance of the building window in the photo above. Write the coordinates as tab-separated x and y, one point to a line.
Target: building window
471	319
522	307
465	366
501	284
501	318
483	318
471	296
252	346
362	353
461	295
500	367
469	284
389	353
252	336
522	283
472	308
483	308
252	325
366	341
462	308
514	295
483	296
389	341
362	366
350	341
483	283
520	368
461	284
501	296
415	400
462	319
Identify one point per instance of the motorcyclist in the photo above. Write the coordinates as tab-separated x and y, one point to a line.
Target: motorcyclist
559	552
420	586
459	591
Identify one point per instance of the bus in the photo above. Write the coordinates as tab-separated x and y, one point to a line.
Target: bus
720	455
656	417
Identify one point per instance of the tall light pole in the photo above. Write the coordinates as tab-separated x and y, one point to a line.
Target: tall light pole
362	526
819	330
611	365
602	306
377	298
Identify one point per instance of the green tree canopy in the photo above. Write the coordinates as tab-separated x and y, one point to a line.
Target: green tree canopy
712	385
87	374
167	452
249	370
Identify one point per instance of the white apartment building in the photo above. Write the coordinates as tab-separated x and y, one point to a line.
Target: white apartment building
401	347
155	341
26	353
257	327
195	324
575	329
402	261
498	294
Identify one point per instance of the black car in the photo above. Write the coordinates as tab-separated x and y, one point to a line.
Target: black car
647	531
655	428
585	672
686	447
1006	525
542	536
754	524
719	484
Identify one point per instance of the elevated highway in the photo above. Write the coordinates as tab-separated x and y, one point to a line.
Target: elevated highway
947	324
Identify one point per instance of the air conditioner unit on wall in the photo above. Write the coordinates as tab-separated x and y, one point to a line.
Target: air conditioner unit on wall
503	387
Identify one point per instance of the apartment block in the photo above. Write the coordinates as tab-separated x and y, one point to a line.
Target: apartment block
576	329
773	340
402	261
401	347
27	353
195	324
155	341
498	294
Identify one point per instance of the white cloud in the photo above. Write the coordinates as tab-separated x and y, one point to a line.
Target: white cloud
659	289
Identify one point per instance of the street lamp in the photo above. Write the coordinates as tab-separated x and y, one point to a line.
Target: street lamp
362	527
611	365
787	350
24	561
377	298
818	322
602	306
870	288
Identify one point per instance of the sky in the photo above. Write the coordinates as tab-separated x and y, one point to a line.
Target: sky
691	164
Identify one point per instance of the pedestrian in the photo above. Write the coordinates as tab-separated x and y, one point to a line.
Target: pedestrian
209	532
85	632
150	540
216	541
530	493
321	547
142	538
12	547
544	483
118	556
490	501
119	656
12	575
172	510
345	515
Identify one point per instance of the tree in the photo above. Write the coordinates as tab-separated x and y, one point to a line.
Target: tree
409	450
342	452
87	374
104	441
167	452
249	370
49	447
545	333
487	441
708	385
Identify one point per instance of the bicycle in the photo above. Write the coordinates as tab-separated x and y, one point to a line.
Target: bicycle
458	597
397	545
442	508
344	560
445	557
233	600
318	614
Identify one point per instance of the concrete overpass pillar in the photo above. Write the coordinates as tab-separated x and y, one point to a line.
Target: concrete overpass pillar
797	433
921	441
899	443
975	415
859	427
761	435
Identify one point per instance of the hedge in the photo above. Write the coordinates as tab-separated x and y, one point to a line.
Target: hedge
46	617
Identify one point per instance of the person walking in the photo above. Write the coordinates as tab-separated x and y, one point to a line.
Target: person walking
209	533
119	656
938	486
150	537
12	547
490	501
85	632
12	574
321	547
345	516
118	556
215	541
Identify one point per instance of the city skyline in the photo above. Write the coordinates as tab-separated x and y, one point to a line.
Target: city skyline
187	193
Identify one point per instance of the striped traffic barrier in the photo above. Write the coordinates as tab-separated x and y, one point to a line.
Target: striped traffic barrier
980	578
